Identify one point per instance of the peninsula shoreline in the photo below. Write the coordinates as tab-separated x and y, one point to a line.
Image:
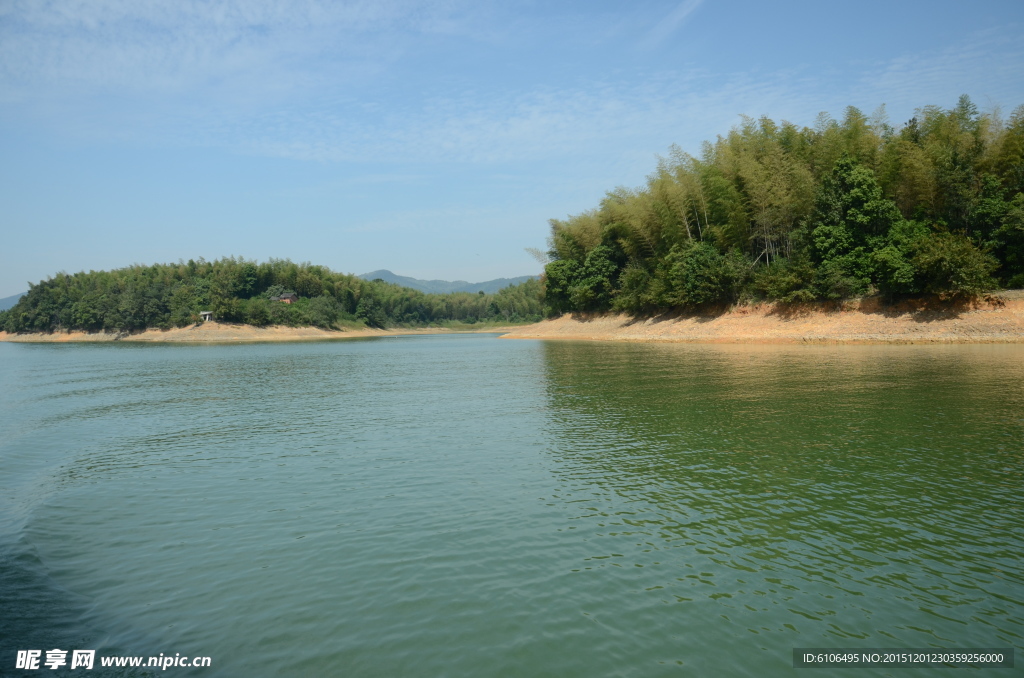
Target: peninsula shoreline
212	332
997	318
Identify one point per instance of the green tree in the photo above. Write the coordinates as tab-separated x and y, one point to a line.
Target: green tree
1008	242
594	287
850	221
950	264
697	274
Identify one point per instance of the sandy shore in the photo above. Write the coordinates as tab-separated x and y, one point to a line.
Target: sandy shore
214	332
995	319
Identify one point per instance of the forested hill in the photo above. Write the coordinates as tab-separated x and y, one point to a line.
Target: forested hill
10	301
770	211
236	290
445	286
773	211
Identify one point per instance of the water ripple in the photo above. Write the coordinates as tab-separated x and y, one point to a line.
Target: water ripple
466	506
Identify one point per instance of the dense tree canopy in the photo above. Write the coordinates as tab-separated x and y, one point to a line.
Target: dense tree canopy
773	211
770	211
170	295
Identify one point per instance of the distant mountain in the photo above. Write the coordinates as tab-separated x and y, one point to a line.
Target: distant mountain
8	302
445	286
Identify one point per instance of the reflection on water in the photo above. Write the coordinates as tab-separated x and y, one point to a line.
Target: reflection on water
461	505
812	496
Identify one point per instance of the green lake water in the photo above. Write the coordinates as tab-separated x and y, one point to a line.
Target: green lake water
466	506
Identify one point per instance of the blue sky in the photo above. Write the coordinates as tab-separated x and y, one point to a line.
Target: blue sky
431	138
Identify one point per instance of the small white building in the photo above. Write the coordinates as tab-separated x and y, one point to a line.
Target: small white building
206	315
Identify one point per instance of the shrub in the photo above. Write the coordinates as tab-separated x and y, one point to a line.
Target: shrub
950	264
697	274
786	280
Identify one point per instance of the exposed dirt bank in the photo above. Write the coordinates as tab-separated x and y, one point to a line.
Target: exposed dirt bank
998	318
215	332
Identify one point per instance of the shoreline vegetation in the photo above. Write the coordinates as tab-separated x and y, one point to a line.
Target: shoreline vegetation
773	212
851	230
995	318
276	293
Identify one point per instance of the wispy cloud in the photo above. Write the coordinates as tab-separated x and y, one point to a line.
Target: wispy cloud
594	119
172	46
988	65
671	23
302	80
